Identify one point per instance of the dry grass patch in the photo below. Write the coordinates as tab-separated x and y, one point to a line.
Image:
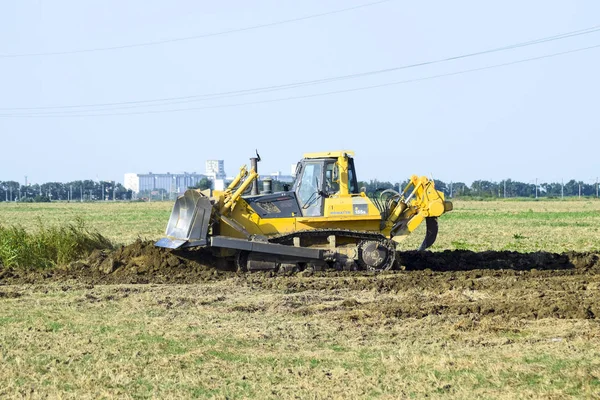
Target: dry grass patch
224	340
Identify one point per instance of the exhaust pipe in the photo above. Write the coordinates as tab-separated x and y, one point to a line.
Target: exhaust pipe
254	165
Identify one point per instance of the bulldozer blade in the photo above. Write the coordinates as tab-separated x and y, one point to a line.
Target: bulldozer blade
170	243
431	234
189	221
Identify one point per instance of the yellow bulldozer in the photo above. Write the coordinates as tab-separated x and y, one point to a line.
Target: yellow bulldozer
324	220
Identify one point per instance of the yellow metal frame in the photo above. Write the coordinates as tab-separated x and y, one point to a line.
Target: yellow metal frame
342	210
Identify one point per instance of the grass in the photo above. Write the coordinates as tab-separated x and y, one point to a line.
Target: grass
58	343
48	245
237	339
525	226
120	222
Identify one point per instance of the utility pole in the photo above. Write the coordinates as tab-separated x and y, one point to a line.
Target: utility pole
450	189
70	192
81	193
505	188
562	189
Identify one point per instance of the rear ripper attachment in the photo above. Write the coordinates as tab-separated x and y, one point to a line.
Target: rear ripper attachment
322	221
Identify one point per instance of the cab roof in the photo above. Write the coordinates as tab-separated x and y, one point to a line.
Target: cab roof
330	154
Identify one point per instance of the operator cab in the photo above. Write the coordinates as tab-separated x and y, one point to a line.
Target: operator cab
321	175
318	176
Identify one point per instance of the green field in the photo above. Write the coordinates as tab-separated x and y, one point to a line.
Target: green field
545	225
530	333
122	222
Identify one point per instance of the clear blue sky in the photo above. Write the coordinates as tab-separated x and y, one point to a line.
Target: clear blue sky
536	119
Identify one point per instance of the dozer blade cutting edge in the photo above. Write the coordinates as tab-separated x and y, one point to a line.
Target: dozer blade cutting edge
189	221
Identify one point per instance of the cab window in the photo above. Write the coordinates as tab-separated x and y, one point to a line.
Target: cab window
352	185
332	182
308	189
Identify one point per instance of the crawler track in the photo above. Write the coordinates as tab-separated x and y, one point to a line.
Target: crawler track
361	238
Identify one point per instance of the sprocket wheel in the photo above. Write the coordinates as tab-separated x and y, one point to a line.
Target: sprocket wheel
376	255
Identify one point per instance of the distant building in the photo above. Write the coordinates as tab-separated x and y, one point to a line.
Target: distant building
132	182
278	176
215	169
178	183
171	183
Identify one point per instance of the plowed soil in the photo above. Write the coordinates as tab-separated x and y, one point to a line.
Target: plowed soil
510	284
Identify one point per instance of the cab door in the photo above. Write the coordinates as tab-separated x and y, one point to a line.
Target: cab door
309	188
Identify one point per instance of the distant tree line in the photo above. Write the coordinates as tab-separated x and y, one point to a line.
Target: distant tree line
203	184
86	190
89	190
505	188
